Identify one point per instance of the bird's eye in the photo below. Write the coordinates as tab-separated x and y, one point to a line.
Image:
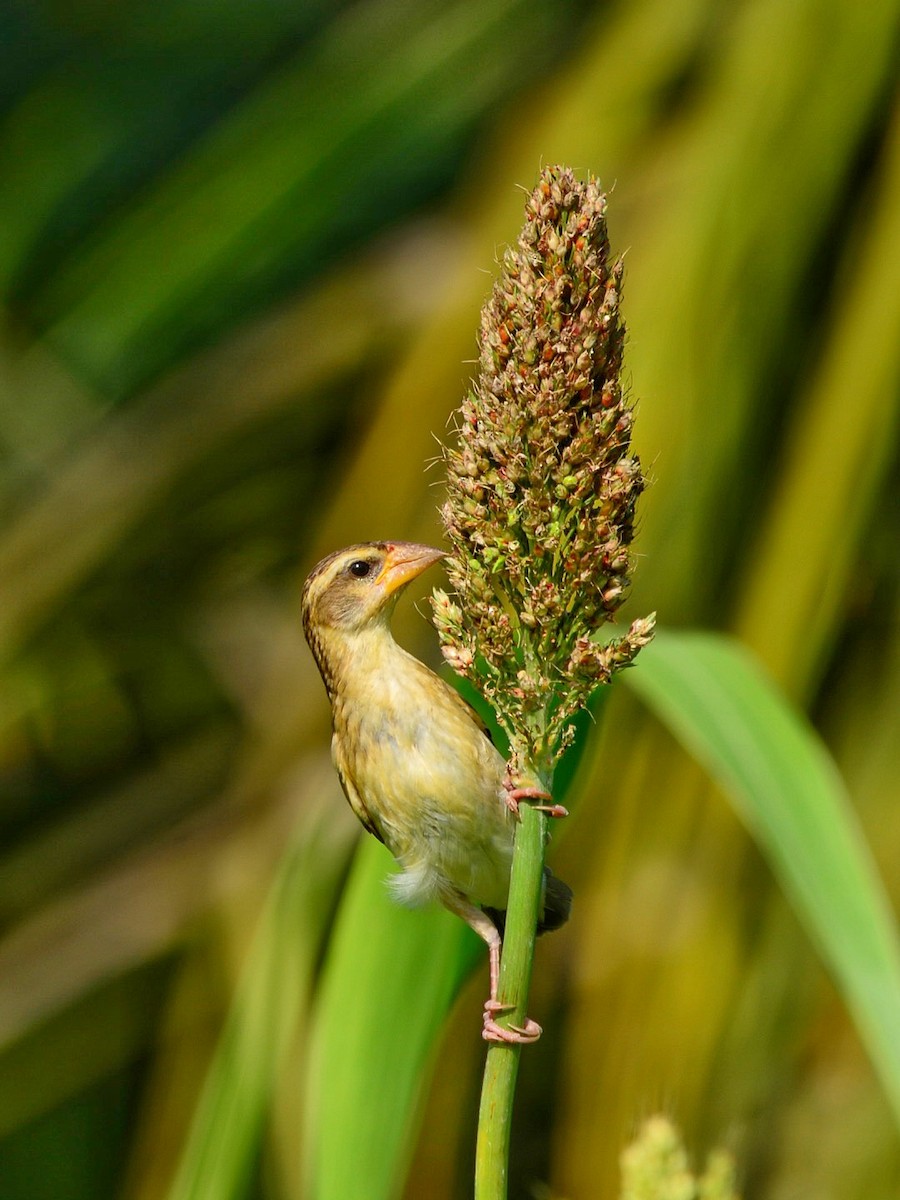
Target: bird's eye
360	568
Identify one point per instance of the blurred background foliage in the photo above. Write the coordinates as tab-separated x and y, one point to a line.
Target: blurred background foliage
243	248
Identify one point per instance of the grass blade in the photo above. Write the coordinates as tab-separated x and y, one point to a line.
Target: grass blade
787	791
223	1142
390	978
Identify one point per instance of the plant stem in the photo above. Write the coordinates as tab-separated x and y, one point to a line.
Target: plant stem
502	1064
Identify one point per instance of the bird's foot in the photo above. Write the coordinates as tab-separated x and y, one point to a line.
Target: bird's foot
507	1035
515	794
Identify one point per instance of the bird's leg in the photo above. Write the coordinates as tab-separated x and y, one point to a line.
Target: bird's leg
514	794
488	932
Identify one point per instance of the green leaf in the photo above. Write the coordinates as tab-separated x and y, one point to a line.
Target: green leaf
787	791
390	978
223	1142
404	78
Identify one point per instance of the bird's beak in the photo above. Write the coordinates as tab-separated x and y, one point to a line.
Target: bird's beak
405	560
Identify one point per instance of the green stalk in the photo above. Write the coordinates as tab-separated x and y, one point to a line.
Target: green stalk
502	1065
540	511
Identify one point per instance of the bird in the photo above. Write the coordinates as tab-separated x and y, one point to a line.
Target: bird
415	761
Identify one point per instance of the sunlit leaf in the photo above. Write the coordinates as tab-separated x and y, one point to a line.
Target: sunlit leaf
224	1139
390	978
787	791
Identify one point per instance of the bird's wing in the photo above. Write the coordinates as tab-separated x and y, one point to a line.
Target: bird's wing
356	801
476	717
472	713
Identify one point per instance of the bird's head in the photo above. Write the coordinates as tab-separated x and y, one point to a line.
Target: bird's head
358	587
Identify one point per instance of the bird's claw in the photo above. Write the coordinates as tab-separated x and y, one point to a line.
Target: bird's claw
515	794
511	1035
552	810
507	1035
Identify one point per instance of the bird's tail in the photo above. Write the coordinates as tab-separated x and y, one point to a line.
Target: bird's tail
557	903
556	907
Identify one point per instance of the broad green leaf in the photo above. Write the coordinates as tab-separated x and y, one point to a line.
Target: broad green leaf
223	1143
403	78
390	978
786	789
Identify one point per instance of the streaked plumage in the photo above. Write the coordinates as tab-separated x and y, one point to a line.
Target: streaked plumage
413	758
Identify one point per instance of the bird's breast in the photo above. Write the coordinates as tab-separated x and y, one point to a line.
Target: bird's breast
428	778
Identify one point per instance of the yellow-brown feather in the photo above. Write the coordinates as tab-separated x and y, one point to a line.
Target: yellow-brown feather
412	756
416	767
